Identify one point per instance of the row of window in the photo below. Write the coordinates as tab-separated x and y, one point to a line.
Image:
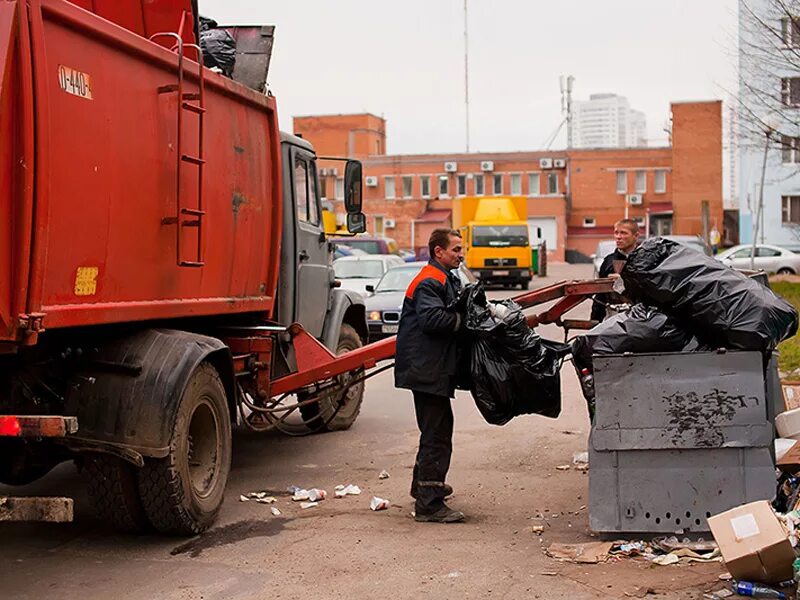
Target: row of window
592	222
482	185
640	182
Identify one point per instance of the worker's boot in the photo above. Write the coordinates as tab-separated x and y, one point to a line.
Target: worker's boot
444	515
446	488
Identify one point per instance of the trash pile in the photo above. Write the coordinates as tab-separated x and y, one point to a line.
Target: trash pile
511	370
685	301
663	551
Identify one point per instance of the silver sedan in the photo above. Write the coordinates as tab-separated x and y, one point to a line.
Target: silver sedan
771	259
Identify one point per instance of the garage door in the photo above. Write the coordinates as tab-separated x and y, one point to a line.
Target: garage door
543	229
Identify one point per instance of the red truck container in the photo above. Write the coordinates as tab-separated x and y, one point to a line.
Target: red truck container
163	267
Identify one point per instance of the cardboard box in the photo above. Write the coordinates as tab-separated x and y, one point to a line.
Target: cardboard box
790	462
753	543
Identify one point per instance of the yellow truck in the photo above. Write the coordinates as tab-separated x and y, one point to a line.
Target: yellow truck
496	242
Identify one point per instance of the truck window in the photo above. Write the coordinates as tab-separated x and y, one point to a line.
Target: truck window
500	235
313	200
305	191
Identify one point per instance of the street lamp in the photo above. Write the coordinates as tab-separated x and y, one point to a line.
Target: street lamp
768	131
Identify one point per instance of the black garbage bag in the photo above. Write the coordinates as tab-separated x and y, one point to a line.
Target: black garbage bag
721	306
641	329
218	46
513	371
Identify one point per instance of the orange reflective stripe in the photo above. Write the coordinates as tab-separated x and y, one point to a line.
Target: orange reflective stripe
428	271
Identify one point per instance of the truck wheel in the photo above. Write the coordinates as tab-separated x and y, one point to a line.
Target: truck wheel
112	487
525	284
182	492
318	414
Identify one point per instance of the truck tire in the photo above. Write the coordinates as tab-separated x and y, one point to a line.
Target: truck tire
114	492
318	414
183	492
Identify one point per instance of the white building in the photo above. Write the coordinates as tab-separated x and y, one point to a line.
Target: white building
769	92
607	121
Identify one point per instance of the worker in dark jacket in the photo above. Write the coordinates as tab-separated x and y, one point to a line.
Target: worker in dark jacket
425	363
626	236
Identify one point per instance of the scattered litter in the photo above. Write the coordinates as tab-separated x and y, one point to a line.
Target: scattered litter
340	491
256	495
453	574
718	595
563	468
671	544
293	489
379	503
725	577
308	504
589	553
383	474
537	529
312	495
628	548
267	500
549	573
667	559
580	458
244	499
641	592
274	510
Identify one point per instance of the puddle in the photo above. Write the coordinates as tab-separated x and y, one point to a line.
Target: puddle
231	534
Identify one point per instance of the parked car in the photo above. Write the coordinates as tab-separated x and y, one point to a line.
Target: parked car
772	259
340	250
369	244
386	303
606	247
357	272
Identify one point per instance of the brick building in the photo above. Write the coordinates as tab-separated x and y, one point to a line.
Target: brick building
573	196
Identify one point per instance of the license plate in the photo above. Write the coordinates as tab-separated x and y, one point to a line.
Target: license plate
389	329
499	273
75	82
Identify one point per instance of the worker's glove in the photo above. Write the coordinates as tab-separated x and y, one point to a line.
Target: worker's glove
618	286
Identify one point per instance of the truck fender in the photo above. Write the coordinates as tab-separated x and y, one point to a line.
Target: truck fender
126	393
347	306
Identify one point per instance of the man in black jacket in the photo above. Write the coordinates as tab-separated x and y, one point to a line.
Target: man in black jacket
425	363
626	236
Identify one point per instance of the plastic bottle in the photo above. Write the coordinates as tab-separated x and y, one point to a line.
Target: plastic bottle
587	383
796	569
756	590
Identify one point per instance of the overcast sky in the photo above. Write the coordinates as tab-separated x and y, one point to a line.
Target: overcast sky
405	61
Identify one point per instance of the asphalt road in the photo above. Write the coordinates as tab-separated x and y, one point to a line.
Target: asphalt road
505	479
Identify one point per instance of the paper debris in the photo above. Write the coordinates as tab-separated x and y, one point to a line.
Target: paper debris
346	490
383	474
589	553
275	511
308	504
244	499
379	503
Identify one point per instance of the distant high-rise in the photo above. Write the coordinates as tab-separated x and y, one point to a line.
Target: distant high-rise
607	121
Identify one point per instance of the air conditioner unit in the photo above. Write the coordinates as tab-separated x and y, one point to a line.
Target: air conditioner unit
388	223
450	167
371	181
333	171
635	199
560	163
323	172
545	163
487	165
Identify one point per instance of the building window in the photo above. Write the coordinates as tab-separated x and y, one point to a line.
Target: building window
790	91
589	222
639	221
516	184
497	184
790	210
443	185
407	183
641	182
479	185
552	183
790	149
660	182
379	225
790	31
390	187
323	188
622	182
533	184
425	186
461	180
339	188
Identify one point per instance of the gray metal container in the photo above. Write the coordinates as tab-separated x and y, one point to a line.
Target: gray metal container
677	438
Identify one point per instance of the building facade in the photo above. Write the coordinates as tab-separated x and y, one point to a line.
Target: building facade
769	92
574	197
607	121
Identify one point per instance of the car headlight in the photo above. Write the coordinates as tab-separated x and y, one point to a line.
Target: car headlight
374	315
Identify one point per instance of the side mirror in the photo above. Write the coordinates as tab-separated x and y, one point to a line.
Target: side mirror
356	223
352	187
370	288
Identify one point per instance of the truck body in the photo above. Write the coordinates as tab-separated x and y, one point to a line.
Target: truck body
496	241
164	270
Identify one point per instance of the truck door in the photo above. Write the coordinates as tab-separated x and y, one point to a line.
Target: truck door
314	274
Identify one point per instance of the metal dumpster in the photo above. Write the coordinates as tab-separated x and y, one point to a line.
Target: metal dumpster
679	437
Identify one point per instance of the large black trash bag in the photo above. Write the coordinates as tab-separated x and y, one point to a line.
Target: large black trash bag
640	329
513	371
218	46
723	307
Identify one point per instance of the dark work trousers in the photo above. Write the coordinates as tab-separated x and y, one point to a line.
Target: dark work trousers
435	422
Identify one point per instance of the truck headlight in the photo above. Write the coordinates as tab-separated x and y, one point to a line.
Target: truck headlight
374	315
